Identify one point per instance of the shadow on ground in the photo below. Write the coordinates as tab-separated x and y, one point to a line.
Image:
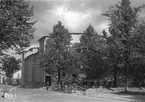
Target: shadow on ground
140	96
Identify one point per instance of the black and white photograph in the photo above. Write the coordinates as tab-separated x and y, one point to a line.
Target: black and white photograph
72	50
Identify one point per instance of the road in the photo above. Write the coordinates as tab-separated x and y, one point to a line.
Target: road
32	95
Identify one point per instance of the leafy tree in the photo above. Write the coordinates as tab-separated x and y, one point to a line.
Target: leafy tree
138	57
113	55
10	65
57	57
77	62
92	46
16	27
124	19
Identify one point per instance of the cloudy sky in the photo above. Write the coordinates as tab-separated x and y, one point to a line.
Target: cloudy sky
75	15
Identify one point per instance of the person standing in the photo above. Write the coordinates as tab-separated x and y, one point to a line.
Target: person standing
47	85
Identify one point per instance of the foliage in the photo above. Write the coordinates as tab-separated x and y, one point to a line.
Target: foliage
10	65
92	47
122	37
59	57
77	61
16	27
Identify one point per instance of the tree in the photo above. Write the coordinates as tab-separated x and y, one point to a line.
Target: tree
92	46
16	27
138	57
77	62
10	65
113	55
124	19
57	57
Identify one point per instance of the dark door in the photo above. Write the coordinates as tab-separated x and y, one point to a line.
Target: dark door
48	79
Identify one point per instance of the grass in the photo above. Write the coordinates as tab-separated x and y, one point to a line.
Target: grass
130	93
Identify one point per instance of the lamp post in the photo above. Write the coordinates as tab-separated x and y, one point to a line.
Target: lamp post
23	64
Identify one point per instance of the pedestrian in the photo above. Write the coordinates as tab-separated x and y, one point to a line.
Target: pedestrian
47	85
6	90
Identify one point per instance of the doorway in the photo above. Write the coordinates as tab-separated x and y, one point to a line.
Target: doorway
48	79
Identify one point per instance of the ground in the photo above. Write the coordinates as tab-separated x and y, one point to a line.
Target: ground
35	95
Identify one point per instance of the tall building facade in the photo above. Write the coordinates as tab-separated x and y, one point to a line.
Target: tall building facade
33	74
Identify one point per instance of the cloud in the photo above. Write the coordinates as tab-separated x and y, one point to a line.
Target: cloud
102	26
75	15
73	19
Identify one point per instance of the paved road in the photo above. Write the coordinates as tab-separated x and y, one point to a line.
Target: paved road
31	95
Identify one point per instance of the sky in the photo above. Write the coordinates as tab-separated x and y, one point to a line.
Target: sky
75	15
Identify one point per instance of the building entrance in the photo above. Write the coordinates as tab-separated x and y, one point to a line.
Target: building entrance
48	80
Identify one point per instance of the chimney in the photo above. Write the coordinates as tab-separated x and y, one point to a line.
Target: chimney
42	43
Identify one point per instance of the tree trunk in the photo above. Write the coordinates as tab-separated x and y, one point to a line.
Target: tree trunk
115	77
58	82
126	77
127	53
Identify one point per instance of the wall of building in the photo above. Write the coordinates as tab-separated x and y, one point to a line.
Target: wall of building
17	74
39	72
16	78
2	76
33	73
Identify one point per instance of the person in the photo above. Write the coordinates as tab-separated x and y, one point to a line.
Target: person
47	85
6	90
